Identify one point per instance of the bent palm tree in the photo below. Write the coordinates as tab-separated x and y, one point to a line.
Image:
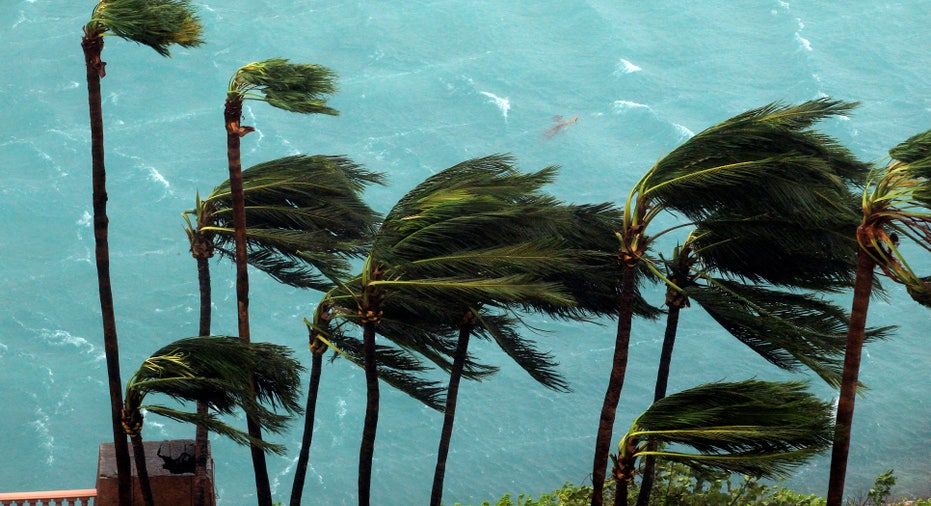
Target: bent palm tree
216	371
762	163
461	244
306	218
896	204
789	329
758	428
157	24
293	87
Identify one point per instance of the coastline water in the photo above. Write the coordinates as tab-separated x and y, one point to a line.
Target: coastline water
423	85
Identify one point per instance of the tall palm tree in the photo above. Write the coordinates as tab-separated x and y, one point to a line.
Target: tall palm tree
158	24
896	205
306	218
298	88
790	329
758	428
217	371
766	162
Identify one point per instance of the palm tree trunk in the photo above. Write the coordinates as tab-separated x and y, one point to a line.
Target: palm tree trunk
300	472
449	413
93	46
620	494
615	385
367	450
232	115
142	471
662	381
848	391
200	437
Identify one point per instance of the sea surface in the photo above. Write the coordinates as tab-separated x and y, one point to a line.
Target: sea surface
423	85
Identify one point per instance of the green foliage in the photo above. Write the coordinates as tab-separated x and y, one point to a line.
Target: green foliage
154	23
294	87
680	485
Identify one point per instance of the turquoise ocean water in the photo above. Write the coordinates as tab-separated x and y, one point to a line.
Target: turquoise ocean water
423	85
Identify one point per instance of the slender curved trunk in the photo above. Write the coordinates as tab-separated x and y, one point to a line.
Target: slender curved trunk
615	385
367	449
848	391
449	413
142	471
300	472
234	131
93	46
659	392
200	437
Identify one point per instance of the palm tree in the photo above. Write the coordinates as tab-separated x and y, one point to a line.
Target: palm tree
306	218
764	163
757	428
466	243
789	329
293	87
157	24
896	205
217	371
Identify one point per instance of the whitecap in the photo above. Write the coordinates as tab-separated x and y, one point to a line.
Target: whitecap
60	337
626	105
503	104
86	219
156	177
341	409
626	67
803	42
684	131
47	439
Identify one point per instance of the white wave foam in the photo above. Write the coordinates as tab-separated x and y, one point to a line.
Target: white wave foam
60	337
626	67
157	177
341	409
803	42
45	435
86	220
503	104
626	105
684	131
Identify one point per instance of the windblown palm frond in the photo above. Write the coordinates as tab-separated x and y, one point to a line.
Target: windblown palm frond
765	158
294	87
154	23
762	429
896	205
790	330
216	370
305	218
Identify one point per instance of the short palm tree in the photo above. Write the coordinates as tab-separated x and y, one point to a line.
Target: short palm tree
298	88
453	258
896	206
757	428
766	162
217	371
306	219
158	24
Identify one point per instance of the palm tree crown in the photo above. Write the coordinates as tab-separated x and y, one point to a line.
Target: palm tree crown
154	23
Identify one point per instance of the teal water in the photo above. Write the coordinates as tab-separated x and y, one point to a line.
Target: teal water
423	85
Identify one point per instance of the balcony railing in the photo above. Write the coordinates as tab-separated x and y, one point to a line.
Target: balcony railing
83	497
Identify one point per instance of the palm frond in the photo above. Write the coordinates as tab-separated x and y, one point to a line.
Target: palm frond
764	159
213	424
789	330
294	87
763	429
305	217
154	23
539	365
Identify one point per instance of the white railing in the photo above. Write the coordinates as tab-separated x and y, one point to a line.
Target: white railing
83	497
